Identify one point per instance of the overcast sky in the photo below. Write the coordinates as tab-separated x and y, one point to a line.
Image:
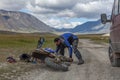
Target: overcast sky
61	13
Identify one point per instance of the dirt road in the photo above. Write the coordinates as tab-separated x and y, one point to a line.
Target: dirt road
96	67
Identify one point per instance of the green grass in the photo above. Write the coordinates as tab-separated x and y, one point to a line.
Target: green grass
96	38
22	43
16	44
29	41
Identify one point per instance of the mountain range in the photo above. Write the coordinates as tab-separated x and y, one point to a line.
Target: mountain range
21	22
90	27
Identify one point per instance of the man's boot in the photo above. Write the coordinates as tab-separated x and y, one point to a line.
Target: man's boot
80	62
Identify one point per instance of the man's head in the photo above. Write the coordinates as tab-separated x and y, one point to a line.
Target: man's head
57	41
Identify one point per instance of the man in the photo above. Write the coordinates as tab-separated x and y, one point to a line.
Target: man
71	42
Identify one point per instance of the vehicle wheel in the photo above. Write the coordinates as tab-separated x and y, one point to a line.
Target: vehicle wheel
67	63
58	66
115	62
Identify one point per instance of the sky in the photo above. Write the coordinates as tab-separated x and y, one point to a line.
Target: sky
61	13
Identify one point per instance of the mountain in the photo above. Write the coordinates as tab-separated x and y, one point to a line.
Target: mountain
90	27
21	22
63	30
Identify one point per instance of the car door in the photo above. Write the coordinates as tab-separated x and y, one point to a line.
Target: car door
115	28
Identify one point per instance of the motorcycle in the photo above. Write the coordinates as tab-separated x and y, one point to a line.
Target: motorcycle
52	59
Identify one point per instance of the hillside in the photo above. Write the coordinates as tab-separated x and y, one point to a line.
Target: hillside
21	22
90	27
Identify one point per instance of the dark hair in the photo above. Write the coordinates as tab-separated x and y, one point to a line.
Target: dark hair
56	39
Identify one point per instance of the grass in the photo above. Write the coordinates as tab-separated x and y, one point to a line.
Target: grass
16	44
96	38
18	41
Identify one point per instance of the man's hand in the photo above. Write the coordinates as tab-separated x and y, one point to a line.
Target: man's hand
71	60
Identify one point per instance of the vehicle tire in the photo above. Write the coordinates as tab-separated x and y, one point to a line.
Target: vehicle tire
115	62
67	63
50	62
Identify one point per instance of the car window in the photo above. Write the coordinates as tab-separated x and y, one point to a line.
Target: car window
115	9
119	6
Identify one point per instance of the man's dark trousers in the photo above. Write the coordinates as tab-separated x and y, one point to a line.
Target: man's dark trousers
75	50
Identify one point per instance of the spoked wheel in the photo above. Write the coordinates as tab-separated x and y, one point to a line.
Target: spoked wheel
115	62
67	63
57	66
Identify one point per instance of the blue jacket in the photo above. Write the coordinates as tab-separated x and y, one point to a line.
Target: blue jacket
67	39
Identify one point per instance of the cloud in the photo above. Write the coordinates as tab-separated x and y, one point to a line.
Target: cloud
92	9
13	4
70	8
60	8
46	10
56	4
66	13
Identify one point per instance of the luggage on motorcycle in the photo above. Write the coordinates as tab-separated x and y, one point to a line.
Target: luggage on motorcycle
49	50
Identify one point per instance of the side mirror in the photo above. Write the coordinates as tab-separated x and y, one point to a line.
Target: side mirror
104	19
